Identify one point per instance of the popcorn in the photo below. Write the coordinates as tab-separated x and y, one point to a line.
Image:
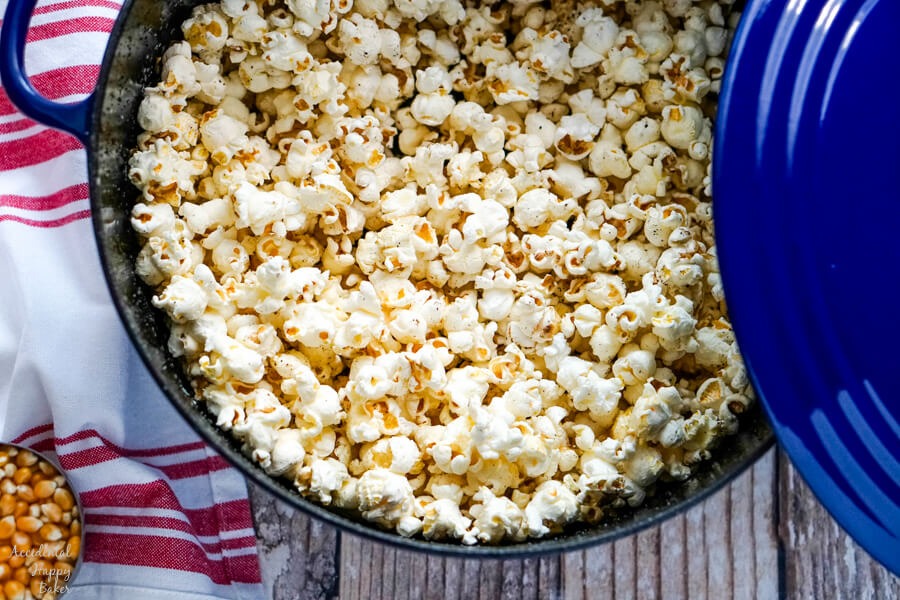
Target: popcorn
150	219
599	34
550	56
212	214
552	506
714	346
674	325
513	82
634	366
661	223
451	12
326	478
207	32
643	132
609	160
464	286
574	136
496	518
259	210
183	299
312	16
168	254
264	416
680	267
397	454
536	207
588	390
684	126
287	452
466	387
605	343
532	321
222	135
356	36
626	65
497	296
623	108
408	327
432	109
494	435
179	75
315	410
155	113
238	361
442	519
164	174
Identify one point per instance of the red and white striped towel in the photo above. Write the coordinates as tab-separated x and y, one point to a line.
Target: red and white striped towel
165	516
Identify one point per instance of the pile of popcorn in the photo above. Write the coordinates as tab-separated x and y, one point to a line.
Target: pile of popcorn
449	265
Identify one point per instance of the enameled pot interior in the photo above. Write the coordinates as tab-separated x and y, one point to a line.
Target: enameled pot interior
144	31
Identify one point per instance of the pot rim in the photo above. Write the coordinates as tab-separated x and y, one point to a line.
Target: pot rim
221	441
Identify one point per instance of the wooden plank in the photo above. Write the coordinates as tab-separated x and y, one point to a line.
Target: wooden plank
673	553
718	544
712	551
754	548
647	579
595	568
766	578
573	575
440	578
437	587
549	578
297	555
471	580
695	553
626	568
820	560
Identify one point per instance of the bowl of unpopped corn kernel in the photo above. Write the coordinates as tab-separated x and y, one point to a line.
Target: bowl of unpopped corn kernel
440	273
40	526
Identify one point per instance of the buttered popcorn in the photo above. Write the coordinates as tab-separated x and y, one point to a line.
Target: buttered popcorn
447	264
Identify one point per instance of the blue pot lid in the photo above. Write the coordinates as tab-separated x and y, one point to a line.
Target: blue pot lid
807	190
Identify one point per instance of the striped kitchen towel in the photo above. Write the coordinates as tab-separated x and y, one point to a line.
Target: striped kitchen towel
165	516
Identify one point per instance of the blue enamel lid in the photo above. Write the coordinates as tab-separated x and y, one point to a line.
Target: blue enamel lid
807	204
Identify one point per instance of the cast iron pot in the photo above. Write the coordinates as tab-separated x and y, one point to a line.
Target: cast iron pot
106	124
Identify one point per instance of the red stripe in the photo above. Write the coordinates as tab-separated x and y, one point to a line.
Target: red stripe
196	468
60	6
32	432
47	31
57	83
49	202
101	454
43	10
161	451
168	553
35	149
43	445
15	126
225	516
170	523
82	214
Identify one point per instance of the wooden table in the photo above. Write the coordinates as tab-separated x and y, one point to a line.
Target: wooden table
764	536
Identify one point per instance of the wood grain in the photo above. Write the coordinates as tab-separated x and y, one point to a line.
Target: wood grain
821	561
371	571
297	555
709	552
762	537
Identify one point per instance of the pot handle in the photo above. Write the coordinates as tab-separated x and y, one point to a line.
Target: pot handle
71	118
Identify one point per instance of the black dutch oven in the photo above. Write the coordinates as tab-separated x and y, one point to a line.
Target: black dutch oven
106	124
